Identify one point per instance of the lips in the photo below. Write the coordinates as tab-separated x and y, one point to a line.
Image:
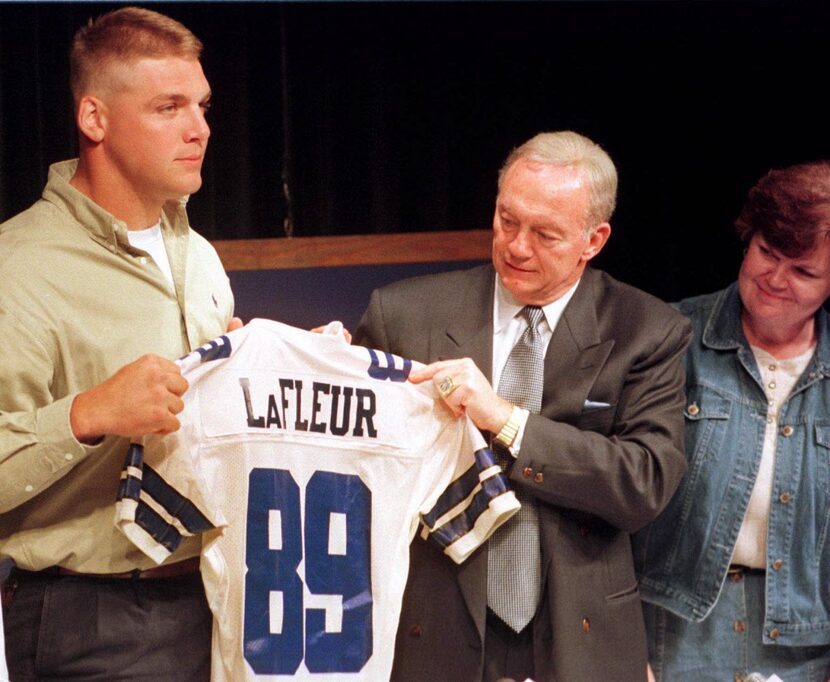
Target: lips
517	268
767	295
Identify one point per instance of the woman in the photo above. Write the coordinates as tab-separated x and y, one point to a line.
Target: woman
736	571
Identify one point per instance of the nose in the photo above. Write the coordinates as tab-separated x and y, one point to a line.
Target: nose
198	128
519	245
777	277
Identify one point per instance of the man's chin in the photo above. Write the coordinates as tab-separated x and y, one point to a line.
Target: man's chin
521	290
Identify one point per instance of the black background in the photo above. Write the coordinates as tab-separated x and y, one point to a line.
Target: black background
394	117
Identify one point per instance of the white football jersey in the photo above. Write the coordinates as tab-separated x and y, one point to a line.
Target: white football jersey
308	464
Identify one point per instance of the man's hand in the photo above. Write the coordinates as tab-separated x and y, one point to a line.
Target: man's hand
346	333
465	389
140	398
235	323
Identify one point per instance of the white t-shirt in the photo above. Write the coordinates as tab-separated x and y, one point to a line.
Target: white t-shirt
151	241
316	461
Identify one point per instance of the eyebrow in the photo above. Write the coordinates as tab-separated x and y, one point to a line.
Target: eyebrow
179	97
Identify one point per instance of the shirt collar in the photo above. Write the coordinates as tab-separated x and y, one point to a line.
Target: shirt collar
505	307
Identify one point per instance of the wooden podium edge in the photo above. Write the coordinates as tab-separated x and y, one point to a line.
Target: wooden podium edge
370	249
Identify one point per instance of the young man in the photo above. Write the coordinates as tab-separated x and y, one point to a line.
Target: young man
587	413
102	285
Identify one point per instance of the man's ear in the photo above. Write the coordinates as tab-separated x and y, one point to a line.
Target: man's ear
596	240
92	118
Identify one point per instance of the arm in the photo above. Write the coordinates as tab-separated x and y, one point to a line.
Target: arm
628	476
625	477
44	434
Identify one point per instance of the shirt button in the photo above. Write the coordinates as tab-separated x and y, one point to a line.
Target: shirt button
739	626
787	430
777	565
29	488
774	633
771	384
527	472
770	420
772	368
69	456
785	497
693	409
586	625
539	478
142	260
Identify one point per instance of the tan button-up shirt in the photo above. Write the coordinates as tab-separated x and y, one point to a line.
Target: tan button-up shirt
77	302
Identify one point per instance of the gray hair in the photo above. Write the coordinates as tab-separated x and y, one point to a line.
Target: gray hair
567	148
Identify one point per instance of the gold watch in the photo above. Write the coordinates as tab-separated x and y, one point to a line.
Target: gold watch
511	427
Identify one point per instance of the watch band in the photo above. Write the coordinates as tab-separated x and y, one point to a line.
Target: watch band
511	427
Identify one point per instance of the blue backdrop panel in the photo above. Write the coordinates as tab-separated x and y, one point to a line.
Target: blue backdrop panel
309	297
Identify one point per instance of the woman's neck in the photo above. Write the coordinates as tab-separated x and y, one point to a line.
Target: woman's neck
781	343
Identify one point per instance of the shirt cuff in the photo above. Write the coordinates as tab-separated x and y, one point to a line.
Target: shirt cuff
54	432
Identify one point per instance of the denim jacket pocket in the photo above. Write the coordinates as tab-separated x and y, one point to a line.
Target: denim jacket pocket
706	415
823	456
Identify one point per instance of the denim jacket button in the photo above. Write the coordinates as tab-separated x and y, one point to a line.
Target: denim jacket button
739	626
693	409
527	472
787	430
784	498
774	633
777	565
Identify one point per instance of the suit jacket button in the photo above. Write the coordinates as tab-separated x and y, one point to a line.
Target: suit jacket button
586	625
539	477
527	472
415	631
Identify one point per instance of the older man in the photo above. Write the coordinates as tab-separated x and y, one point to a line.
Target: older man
578	379
102	285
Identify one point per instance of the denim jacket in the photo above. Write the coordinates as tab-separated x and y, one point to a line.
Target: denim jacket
683	557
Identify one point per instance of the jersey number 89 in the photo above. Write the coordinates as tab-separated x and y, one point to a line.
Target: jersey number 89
273	571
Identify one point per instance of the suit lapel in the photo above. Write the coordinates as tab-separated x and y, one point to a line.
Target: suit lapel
470	331
576	354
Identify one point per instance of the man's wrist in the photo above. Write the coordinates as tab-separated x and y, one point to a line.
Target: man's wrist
511	427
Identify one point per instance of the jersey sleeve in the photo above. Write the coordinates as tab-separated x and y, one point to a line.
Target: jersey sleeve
161	496
474	504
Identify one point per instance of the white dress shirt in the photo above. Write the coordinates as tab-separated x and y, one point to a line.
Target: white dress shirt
508	326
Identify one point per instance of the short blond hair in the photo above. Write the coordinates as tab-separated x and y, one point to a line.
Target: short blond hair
567	148
124	36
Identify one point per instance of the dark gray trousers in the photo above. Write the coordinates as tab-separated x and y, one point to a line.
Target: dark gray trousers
85	629
507	655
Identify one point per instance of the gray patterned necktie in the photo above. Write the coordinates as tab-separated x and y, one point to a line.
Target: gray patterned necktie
514	554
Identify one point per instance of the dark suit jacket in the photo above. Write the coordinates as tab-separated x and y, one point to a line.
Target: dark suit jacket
598	472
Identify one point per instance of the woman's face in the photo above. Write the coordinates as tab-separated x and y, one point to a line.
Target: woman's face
782	291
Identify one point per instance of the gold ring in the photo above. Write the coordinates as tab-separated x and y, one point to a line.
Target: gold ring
447	386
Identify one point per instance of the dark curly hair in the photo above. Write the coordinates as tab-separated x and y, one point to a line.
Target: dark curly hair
789	208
